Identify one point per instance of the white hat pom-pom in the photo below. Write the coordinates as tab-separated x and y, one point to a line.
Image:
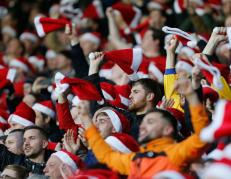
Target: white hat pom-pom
91	56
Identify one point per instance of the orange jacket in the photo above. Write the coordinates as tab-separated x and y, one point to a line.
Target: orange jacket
178	153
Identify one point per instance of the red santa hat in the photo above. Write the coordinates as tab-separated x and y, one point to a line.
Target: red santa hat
130	13
123	143
106	69
184	37
21	63
221	124
157	70
45	107
210	93
95	174
37	61
70	159
93	37
9	30
45	25
108	91
118	120
3	120
211	73
19	89
94	10
28	35
3	116
128	60
7	75
178	6
122	96
85	90
23	115
185	65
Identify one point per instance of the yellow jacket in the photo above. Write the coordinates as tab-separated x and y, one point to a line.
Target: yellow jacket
170	77
178	153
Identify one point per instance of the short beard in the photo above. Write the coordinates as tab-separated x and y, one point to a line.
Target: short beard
145	140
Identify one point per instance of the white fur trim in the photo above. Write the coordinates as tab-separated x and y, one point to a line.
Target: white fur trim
43	109
156	72
117	144
65	158
169	174
36	61
182	65
107	73
2	120
187	50
19	64
98	7
216	154
207	134
142	75
115	120
154	5
39	27
90	37
124	100
11	75
136	61
106	95
200	11
227	151
229	34
137	17
217	170
28	36
9	30
177	7
20	120
75	101
213	70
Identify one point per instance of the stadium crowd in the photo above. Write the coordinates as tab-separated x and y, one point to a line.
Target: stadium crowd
98	89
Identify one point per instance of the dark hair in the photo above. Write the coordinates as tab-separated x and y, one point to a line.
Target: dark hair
21	172
66	53
170	119
41	130
158	35
150	86
17	130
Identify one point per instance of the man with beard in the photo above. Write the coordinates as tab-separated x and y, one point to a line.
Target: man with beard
35	153
158	132
145	94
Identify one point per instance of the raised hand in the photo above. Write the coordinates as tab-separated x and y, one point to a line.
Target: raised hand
172	44
70	31
184	86
70	144
166	103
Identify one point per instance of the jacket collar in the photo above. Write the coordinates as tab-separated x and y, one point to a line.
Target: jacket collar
158	143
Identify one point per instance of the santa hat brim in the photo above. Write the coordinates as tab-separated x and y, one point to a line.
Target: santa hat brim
207	134
65	158
181	65
43	109
11	74
115	120
117	144
156	72
20	120
91	38
17	63
39	27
